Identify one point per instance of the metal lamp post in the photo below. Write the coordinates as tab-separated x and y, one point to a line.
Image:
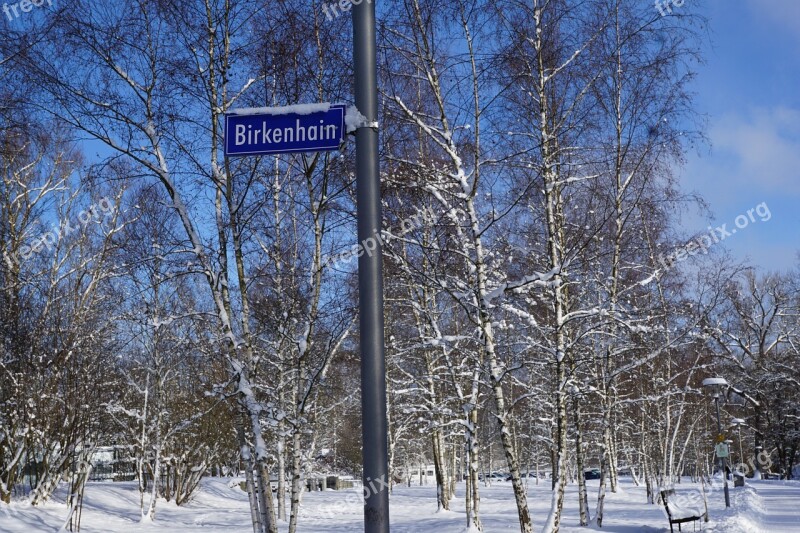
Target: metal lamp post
757	452
738	423
730	462
716	386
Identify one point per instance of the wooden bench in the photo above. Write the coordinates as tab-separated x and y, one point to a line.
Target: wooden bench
677	514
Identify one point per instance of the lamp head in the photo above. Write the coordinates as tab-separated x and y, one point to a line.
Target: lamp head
715	385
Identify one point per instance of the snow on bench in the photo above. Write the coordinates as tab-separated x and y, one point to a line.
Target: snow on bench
678	513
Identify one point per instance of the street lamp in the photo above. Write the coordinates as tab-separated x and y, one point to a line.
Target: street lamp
757	471
716	386
738	423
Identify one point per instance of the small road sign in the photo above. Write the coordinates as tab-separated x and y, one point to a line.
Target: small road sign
721	450
281	130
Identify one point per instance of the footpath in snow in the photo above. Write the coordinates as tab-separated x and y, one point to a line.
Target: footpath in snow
782	505
762	506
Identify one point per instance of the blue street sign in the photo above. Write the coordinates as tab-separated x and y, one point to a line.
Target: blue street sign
313	128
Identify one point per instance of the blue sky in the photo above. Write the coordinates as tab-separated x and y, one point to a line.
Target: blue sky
749	92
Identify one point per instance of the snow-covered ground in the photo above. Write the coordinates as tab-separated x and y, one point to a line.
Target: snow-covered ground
769	506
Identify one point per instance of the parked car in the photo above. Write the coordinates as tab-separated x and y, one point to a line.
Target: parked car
593	473
524	475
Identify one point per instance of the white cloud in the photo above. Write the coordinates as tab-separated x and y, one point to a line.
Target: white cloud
755	158
761	148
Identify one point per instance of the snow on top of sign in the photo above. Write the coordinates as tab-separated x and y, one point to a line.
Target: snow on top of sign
353	119
297	109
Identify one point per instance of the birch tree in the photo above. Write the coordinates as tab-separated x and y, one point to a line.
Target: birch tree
128	102
456	187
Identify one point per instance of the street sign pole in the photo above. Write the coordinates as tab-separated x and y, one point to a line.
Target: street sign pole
370	276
